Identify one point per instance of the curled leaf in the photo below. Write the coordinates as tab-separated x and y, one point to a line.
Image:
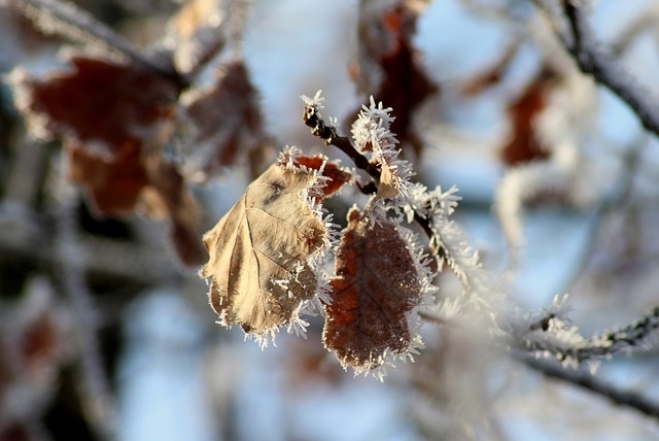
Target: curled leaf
379	282
331	178
389	183
262	252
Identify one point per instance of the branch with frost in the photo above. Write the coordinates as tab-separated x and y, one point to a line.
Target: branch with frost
330	136
430	209
553	369
578	40
328	133
66	19
548	334
552	335
591	383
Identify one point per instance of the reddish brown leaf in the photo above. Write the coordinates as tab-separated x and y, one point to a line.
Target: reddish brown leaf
114	118
225	123
113	183
523	145
259	266
117	185
335	177
110	116
167	196
390	56
33	347
376	286
100	103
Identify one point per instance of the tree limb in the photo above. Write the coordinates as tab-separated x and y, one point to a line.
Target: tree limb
331	136
605	69
591	383
553	369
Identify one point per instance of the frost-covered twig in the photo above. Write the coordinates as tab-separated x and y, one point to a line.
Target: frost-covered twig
95	391
328	133
553	337
578	40
593	384
646	20
66	19
430	209
552	368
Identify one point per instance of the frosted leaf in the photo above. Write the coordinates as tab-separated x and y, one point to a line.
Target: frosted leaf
266	253
381	280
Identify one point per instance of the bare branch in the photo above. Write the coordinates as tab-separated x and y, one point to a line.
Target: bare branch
591	383
331	136
540	339
605	69
553	369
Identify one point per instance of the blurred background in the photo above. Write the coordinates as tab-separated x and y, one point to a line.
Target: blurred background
107	336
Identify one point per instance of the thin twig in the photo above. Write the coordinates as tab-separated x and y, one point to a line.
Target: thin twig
591	383
599	346
555	370
604	69
66	19
331	136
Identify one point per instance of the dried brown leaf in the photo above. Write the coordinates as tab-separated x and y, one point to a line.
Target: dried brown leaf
332	176
260	251
390	69
523	144
376	286
114	119
110	116
225	125
389	184
100	104
167	196
113	183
